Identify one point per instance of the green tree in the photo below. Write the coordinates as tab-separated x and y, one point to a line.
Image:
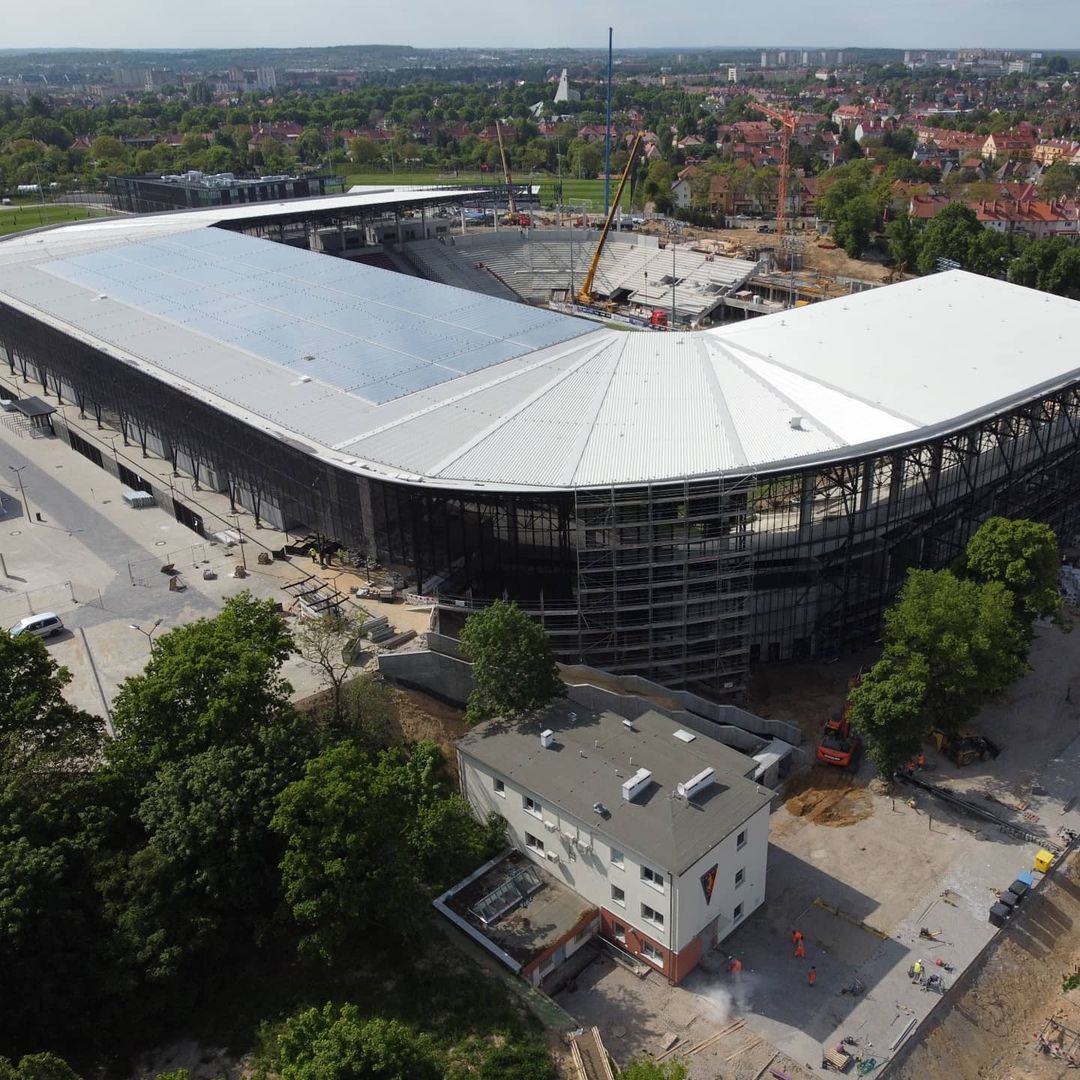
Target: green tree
645	1068
904	237
949	235
38	727
1059	180
366	838
206	738
966	633
364	151
476	1057
209	683
327	645
37	1067
335	1043
55	949
1023	556
514	674
854	225
888	709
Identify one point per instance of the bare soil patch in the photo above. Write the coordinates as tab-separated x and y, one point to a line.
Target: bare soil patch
828	797
988	1032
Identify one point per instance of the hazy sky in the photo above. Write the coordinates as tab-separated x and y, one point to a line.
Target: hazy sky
1044	24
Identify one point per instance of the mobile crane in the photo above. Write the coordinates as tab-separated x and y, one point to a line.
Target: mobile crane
585	295
506	175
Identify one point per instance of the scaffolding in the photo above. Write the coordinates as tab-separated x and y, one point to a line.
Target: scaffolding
689	582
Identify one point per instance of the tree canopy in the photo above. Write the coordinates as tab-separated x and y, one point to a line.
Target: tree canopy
1023	556
366	838
514	674
950	641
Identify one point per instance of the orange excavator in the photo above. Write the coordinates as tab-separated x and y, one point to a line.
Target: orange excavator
840	745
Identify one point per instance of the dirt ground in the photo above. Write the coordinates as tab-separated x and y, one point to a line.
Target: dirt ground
828	796
817	253
987	1033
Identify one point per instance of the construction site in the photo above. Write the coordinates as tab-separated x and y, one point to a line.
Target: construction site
893	892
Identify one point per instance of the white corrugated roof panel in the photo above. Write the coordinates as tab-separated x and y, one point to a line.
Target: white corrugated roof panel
412	377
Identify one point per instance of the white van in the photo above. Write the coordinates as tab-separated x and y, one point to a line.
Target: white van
47	624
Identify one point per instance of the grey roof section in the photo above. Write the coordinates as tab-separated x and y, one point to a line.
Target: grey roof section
590	759
351	327
428	384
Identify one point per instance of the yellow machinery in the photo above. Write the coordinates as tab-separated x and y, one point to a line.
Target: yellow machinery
585	295
506	172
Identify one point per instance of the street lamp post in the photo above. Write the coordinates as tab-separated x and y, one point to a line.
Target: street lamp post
240	533
148	634
17	470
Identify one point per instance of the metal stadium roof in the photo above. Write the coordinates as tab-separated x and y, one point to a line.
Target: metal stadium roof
423	382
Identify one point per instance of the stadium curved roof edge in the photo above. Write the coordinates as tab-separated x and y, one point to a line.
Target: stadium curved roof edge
413	380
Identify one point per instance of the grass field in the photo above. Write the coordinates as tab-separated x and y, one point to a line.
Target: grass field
587	193
15	219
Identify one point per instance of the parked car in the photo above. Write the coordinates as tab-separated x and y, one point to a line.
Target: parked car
47	624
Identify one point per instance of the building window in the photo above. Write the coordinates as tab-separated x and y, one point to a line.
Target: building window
740	877
618	858
618	895
651	952
619	932
653	877
736	915
653	916
500	788
534	842
740	840
532	806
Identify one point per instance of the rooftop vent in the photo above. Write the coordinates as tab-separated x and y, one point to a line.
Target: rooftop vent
696	783
601	809
684	736
796	423
628	724
547	737
636	785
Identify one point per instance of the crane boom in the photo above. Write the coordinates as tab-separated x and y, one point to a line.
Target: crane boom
787	129
584	295
506	171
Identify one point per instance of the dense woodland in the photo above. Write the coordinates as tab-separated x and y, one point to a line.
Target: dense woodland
232	870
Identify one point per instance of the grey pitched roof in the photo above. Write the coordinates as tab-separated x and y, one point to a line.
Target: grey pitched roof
591	757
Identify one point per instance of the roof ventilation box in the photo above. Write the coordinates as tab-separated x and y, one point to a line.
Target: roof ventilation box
796	423
547	737
696	783
636	784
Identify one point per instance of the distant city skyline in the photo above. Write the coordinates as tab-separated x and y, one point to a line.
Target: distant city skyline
204	24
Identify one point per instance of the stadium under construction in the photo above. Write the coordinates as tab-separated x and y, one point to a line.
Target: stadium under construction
680	505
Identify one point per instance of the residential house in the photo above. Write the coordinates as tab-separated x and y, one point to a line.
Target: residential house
872	131
1050	150
1037	219
1008	146
658	827
681	189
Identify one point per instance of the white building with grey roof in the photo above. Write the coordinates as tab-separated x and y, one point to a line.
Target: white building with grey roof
658	827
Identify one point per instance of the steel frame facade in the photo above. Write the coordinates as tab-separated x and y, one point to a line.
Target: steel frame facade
690	582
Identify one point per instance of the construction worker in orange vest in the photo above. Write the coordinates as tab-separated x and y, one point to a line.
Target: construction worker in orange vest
796	937
800	949
811	976
735	967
